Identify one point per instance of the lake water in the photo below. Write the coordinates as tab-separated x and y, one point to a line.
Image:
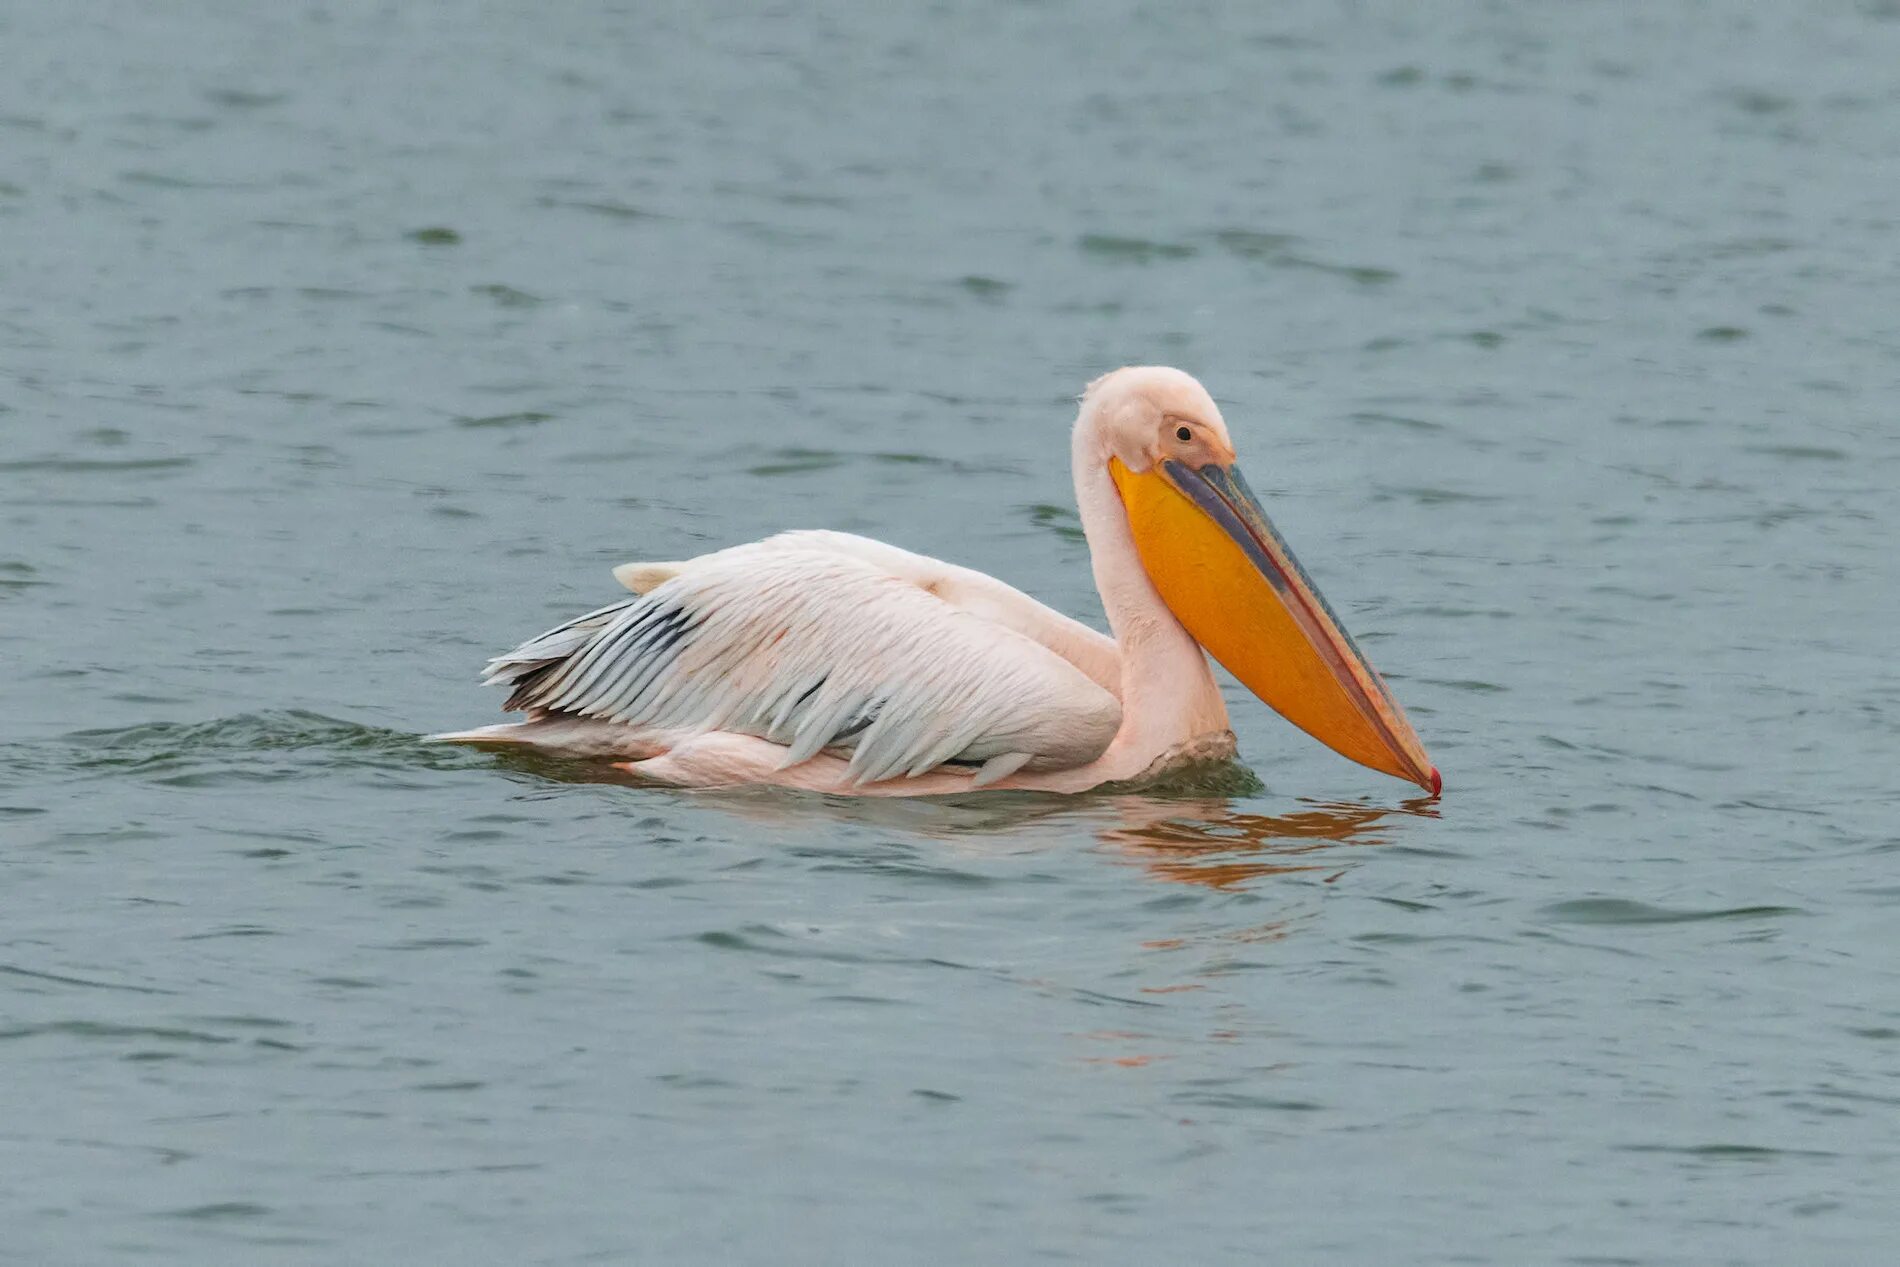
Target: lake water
343	346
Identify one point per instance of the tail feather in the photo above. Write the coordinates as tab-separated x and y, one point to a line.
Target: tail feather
567	736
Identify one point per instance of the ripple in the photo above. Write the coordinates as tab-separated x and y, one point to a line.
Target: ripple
1623	911
1724	1152
1276	250
1132	250
14	970
796	461
987	288
240	99
252	747
759	939
1242	1101
1397	420
1061	520
608	210
110	1030
521	418
507	296
1800	452
1250	244
1363	274
1429	496
91	466
218	1210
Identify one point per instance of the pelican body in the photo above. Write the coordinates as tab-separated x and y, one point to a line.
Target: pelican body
834	663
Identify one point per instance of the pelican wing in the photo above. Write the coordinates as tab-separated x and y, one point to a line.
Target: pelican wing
1087	649
816	648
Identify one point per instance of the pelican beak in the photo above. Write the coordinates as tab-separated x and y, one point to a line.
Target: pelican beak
1224	572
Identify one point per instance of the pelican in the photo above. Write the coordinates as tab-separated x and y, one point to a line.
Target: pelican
834	663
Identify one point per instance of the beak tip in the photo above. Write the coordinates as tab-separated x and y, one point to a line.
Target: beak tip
1438	784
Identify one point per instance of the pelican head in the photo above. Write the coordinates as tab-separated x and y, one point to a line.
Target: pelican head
1224	571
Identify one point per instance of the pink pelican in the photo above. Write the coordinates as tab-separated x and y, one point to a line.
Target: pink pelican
834	663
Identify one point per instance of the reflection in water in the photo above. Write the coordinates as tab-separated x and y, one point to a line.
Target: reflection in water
963	818
1189	839
1207	842
1204	841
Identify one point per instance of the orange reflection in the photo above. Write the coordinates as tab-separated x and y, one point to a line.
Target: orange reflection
1207	842
1191	839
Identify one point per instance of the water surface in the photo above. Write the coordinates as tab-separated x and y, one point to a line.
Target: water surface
341	348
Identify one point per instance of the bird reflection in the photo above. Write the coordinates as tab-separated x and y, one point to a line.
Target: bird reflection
1209	843
1189	833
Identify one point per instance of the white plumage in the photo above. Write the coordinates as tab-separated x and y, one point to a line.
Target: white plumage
803	641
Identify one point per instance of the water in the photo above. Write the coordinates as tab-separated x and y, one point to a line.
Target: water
341	347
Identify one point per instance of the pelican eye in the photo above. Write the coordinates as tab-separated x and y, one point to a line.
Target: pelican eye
1183	434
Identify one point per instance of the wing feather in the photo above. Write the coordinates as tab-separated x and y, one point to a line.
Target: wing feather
817	649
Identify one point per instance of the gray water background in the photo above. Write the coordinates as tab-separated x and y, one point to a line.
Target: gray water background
343	345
